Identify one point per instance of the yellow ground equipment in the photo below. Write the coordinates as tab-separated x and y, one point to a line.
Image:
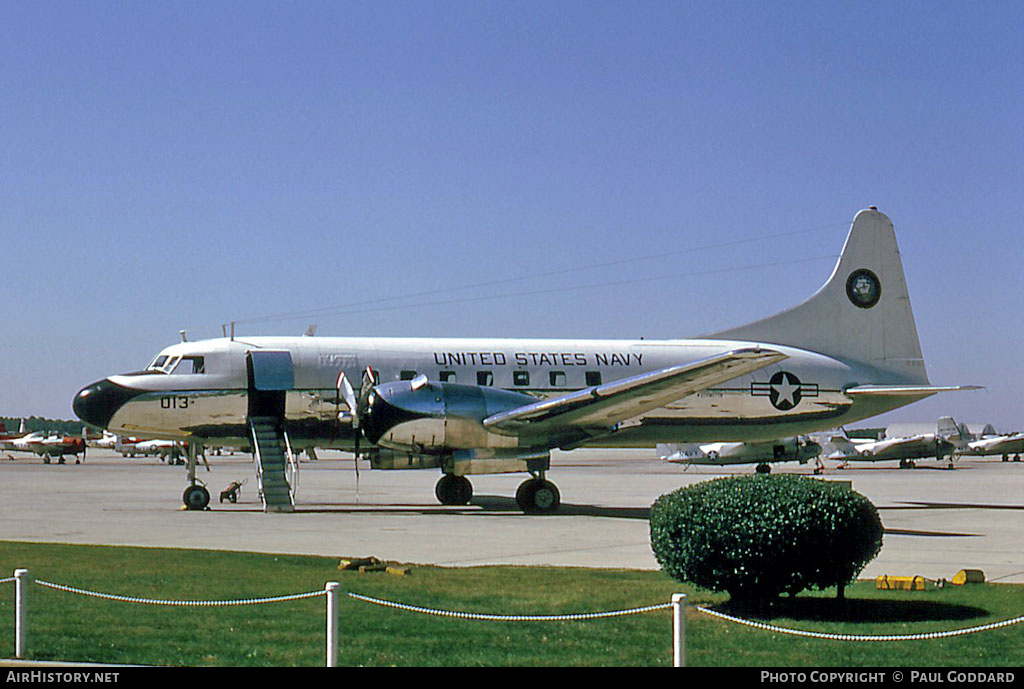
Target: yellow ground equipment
968	576
889	583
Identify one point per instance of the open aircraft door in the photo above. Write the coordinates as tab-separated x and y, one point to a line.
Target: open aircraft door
270	375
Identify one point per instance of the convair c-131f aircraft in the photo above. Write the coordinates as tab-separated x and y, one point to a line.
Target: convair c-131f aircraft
476	406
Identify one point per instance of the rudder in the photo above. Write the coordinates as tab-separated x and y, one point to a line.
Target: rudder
862	313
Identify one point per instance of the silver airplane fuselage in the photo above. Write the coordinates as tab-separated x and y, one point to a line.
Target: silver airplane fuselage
485	405
803	393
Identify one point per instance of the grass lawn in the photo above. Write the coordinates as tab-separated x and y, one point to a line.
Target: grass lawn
64	626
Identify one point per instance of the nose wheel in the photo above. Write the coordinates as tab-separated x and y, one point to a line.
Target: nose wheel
196	497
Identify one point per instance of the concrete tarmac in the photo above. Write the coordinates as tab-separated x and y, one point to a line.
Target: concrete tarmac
937	520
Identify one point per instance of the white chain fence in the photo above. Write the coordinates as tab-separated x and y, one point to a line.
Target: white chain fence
510	618
331	591
182	603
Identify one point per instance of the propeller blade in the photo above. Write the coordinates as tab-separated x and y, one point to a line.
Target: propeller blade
346	392
365	388
357	407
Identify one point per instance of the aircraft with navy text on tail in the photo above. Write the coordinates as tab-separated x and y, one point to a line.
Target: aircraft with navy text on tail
482	405
795	449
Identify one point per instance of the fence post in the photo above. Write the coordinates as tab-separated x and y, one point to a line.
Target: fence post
679	630
332	623
22	579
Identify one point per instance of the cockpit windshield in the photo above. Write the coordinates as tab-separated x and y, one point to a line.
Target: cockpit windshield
180	365
164	363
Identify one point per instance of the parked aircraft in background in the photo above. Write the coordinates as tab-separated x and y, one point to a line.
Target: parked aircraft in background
48	446
475	406
1005	445
107	441
167	450
4	435
125	445
763	454
171	451
940	445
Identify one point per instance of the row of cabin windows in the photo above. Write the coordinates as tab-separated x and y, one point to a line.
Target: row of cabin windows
519	378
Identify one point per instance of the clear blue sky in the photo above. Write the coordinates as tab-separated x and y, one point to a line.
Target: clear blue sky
168	166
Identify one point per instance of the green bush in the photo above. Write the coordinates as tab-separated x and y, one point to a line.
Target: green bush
759	536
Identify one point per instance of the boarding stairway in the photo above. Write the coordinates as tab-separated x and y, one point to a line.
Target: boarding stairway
277	471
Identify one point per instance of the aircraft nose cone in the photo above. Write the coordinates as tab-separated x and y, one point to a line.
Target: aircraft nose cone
97	403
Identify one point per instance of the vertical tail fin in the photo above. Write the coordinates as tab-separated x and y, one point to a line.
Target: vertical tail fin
861	314
947	427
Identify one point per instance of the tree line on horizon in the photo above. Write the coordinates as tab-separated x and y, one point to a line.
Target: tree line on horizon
39	423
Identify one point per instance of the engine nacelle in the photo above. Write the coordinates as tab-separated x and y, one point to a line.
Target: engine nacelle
465	462
436	418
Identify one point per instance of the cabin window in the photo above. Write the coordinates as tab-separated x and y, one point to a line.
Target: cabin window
447	376
484	378
406	375
593	378
520	377
557	379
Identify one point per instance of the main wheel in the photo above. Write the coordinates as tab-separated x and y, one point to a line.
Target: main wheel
454	490
764	468
537	496
196	497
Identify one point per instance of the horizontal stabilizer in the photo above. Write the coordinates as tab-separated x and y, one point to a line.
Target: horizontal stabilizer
907	390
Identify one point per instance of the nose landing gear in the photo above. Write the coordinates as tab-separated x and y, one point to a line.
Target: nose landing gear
196	497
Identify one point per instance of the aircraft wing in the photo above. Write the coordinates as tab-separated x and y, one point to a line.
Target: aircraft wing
604	406
894	444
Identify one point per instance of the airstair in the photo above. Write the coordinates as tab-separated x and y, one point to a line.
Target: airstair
277	471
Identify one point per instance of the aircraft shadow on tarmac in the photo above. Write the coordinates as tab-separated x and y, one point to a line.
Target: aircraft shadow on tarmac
496	505
487	505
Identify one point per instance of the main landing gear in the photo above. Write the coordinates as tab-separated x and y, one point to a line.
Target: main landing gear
453	490
536	495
